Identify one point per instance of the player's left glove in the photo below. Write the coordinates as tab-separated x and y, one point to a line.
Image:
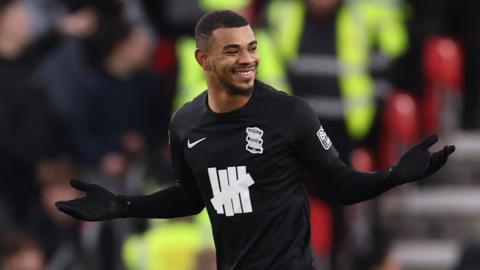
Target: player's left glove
418	163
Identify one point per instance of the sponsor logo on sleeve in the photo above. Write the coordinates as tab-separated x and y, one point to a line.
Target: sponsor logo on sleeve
324	139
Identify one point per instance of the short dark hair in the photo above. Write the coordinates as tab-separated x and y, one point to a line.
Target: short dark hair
214	20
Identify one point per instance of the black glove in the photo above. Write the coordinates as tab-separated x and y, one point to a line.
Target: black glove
417	163
97	204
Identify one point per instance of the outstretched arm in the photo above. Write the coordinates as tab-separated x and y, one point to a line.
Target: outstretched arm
100	204
181	199
417	163
175	201
316	150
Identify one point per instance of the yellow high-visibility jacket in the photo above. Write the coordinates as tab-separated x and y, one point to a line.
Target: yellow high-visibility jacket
361	25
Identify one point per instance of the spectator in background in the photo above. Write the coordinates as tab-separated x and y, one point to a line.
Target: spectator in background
68	59
118	119
19	250
338	53
173	17
64	66
117	104
26	120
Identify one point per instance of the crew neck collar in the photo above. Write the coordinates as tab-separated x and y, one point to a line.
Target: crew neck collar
236	111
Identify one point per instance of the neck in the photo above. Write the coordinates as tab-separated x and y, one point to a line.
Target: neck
220	101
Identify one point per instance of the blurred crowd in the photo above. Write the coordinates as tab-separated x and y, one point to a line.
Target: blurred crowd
87	88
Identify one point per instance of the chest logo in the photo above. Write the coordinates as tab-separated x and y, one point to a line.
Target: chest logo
191	145
324	139
230	189
254	140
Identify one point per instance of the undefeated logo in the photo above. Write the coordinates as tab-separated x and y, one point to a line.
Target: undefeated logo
230	190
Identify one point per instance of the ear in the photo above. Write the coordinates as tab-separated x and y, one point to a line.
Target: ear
202	59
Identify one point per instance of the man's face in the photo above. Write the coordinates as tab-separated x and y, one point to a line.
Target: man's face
233	58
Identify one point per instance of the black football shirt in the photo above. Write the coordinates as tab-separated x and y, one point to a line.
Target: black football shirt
247	168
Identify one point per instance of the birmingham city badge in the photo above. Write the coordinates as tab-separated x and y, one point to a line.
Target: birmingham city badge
254	140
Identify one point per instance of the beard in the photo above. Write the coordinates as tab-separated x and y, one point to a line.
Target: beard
227	83
233	90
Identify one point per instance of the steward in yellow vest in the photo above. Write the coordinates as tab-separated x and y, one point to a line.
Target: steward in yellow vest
333	53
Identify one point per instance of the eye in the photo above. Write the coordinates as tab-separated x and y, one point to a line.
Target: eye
230	52
252	49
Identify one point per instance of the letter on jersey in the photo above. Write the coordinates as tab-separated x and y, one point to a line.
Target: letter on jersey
230	190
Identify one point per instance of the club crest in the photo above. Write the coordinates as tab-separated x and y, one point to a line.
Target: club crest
324	139
254	140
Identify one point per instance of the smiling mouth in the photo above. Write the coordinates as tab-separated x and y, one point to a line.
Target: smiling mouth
246	74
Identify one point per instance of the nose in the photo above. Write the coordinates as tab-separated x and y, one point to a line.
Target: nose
246	57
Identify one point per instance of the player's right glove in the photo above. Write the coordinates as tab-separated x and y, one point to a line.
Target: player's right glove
97	204
418	163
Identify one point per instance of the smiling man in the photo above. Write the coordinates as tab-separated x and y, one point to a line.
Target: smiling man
240	150
229	57
230	61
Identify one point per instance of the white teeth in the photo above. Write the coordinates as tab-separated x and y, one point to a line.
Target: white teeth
244	73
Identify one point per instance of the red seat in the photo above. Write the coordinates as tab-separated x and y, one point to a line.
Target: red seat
321	227
443	62
400	122
362	159
443	71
